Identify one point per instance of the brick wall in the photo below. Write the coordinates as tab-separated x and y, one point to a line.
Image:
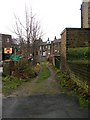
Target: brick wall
73	37
77	37
63	50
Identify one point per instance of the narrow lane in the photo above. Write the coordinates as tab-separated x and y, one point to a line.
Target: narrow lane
42	100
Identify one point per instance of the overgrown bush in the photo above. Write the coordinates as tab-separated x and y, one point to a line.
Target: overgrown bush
81	53
25	70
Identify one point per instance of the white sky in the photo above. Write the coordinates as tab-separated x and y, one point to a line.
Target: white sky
54	15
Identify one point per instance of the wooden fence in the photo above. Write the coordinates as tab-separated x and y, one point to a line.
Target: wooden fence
78	62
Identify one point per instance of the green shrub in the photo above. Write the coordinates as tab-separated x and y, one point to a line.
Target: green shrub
83	102
72	87
10	83
81	53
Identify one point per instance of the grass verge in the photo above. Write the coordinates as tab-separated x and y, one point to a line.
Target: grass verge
10	83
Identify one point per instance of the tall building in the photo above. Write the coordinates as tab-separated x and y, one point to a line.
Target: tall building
85	14
0	48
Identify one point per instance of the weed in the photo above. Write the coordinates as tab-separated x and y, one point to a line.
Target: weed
66	83
83	102
10	83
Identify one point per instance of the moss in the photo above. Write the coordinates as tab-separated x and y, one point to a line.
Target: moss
83	102
45	73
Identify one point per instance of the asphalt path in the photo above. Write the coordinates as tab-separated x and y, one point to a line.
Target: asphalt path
43	106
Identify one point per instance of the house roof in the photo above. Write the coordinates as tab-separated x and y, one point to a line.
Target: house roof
43	43
57	41
74	29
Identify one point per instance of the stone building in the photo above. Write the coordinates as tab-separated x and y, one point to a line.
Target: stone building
6	45
45	50
55	47
85	14
70	38
55	52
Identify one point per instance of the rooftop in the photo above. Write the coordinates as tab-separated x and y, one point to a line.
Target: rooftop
56	41
74	29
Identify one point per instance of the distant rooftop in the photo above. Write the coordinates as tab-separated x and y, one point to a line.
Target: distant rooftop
57	41
43	43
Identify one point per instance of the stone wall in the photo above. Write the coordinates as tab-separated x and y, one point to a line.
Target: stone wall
77	37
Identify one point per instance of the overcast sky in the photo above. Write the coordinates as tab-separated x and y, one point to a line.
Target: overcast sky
54	15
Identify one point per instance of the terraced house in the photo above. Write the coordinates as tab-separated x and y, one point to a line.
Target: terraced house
55	52
85	14
45	50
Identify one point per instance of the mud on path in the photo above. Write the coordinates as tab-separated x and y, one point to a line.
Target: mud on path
48	86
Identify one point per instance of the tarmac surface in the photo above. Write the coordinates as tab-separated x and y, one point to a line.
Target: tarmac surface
43	106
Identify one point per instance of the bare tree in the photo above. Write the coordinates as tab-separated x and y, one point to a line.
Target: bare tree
29	32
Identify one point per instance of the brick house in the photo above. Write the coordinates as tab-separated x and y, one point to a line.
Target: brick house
45	50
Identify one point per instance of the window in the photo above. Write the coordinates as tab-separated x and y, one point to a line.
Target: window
40	47
49	47
8	40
